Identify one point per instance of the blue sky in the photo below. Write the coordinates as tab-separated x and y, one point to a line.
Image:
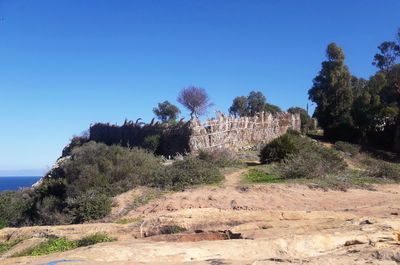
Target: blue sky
68	63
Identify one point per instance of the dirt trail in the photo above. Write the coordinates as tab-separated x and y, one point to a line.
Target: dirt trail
234	178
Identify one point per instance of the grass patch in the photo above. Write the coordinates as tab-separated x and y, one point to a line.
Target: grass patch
94	239
257	176
5	246
129	220
172	229
50	246
146	198
53	245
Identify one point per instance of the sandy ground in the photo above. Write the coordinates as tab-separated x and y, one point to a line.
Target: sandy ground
383	201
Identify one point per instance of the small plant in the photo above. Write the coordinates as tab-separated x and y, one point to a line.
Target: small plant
50	246
351	149
53	245
94	239
220	157
172	229
145	198
5	246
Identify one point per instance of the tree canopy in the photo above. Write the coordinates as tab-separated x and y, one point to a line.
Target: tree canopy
195	99
166	111
332	91
357	109
254	103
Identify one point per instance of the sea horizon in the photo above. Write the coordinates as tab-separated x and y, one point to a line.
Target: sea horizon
17	182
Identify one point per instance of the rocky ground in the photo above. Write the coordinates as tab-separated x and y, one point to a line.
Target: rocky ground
236	224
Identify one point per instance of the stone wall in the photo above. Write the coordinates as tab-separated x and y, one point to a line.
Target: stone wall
186	137
244	132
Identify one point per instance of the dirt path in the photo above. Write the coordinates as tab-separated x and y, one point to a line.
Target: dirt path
234	178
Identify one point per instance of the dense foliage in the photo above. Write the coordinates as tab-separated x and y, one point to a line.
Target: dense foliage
301	157
81	187
279	148
358	110
312	160
254	103
166	111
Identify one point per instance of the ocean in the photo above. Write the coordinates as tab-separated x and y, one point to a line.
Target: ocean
14	183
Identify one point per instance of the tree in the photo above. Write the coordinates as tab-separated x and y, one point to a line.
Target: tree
271	108
195	99
166	111
389	52
332	92
256	102
239	107
307	123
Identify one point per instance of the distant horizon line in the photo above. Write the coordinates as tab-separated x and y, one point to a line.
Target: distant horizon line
23	173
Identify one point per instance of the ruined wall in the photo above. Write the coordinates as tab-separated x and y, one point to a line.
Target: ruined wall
173	139
244	132
222	131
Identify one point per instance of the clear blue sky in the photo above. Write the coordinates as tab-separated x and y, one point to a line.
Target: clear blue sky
68	63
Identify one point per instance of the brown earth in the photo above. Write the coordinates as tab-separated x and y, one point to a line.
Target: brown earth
274	224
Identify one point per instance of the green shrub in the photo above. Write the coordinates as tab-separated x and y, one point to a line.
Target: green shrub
90	206
82	187
50	246
351	149
188	172
384	170
220	157
94	239
14	206
109	170
312	161
172	229
5	246
152	142
53	245
279	148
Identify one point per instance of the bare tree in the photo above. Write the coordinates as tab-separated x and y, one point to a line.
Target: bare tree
194	99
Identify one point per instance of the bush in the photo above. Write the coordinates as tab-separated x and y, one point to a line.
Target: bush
220	157
351	149
13	208
109	170
280	148
312	161
56	244
382	169
81	188
188	172
90	206
151	143
95	239
51	246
